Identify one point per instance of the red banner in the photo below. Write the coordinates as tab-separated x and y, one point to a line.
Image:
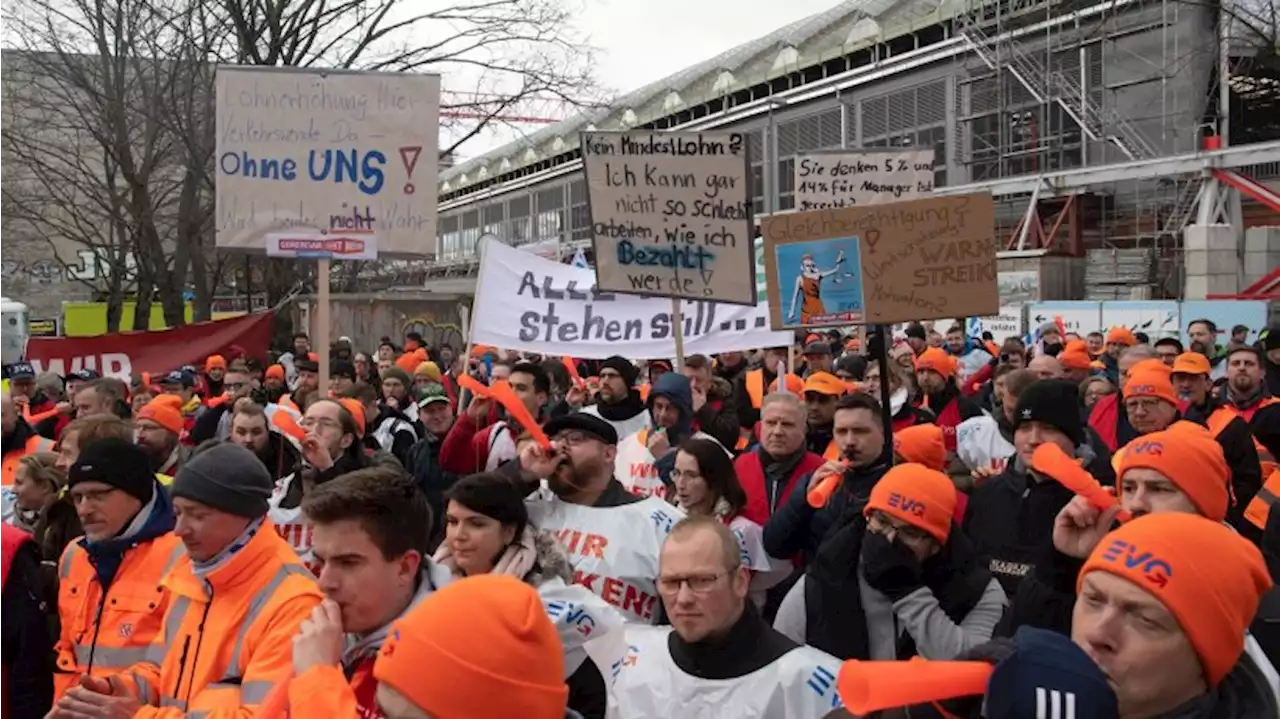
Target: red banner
126	353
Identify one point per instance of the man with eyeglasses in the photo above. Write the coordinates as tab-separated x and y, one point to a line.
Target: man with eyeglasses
110	600
718	657
619	402
215	420
612	536
330	448
897	578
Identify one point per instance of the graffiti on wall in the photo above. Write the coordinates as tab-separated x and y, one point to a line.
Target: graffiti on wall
90	266
366	321
435	332
38	273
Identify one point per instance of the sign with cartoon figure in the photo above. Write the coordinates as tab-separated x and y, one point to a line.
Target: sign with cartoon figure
922	259
821	282
671	214
325	163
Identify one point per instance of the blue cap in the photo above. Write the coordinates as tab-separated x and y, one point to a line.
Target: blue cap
21	370
182	377
84	375
1048	676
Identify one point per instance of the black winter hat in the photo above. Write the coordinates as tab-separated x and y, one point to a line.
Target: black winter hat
115	462
1054	402
622	366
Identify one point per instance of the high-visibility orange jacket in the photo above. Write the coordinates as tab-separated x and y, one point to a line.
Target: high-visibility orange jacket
106	632
222	649
9	463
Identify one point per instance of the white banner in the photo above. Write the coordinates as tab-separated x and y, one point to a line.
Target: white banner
527	303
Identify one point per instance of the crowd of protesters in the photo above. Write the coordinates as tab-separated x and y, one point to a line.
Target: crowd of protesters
480	532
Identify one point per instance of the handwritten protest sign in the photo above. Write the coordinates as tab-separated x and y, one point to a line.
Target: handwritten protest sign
844	179
533	304
326	163
914	260
670	214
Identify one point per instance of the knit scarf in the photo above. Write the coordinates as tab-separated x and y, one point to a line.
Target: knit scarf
517	559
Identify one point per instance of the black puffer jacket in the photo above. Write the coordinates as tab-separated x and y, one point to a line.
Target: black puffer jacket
1010	519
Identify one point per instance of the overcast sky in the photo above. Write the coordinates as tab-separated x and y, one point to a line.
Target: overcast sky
643	42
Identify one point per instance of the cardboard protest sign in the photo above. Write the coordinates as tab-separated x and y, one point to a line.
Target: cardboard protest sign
528	303
841	178
325	163
671	215
915	260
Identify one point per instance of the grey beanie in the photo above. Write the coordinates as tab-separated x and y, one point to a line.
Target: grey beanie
227	477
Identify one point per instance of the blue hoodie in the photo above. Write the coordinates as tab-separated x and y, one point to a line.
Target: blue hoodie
676	388
106	556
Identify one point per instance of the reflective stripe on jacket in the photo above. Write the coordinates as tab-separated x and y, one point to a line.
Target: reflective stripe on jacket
221	651
131	610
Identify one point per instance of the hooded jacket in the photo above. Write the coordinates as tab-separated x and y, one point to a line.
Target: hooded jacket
111	598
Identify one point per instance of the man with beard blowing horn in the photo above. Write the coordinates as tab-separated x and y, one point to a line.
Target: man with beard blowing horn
612	536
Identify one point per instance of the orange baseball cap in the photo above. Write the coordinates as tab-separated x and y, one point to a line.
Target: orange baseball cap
1121	336
1151	378
1191	458
824	383
1208	577
922	497
922	444
163	413
276	371
1191	363
938	361
492	650
795	385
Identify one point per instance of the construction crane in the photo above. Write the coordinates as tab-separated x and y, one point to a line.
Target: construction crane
463	99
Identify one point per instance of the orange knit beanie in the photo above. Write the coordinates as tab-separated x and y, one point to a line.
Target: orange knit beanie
479	648
1207	576
1151	378
922	444
938	361
1191	458
922	497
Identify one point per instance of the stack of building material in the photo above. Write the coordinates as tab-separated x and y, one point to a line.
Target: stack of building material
1113	274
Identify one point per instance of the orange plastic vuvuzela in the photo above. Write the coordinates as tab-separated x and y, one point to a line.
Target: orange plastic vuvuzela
506	396
1051	461
475	387
572	367
867	687
827	486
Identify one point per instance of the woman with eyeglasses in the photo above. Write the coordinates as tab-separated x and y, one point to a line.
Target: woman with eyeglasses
706	484
897	578
487	531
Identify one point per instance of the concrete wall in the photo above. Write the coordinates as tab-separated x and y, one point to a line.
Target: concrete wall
365	318
1212	262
